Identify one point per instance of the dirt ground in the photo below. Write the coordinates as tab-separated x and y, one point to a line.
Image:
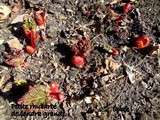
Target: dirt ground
113	95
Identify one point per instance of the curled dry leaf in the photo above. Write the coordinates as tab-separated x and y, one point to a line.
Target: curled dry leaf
4	12
15	44
91	99
4	109
124	49
88	100
7	87
111	64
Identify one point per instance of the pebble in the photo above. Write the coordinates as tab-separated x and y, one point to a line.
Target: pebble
1	41
88	100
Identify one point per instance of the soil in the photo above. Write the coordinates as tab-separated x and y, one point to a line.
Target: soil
120	97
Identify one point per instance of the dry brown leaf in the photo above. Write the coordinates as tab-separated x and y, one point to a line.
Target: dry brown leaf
15	44
111	65
15	61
